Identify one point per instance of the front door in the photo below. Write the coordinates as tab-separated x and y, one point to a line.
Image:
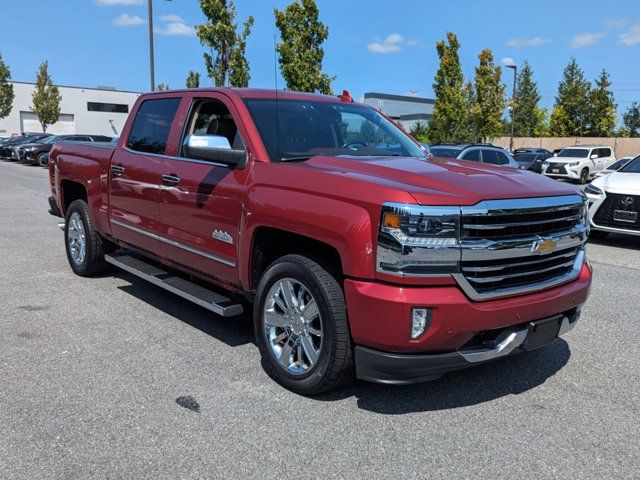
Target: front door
136	173
201	201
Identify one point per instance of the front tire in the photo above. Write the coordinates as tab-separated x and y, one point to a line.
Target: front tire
584	176
85	248
41	160
301	327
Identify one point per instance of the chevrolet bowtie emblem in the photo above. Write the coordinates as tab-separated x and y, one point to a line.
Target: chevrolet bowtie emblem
544	246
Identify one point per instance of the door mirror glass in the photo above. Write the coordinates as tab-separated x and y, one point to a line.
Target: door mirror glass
214	148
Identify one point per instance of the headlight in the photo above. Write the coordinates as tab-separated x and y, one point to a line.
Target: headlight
593	190
573	164
29	149
415	240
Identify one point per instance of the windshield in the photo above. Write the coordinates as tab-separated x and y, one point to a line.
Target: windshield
632	167
574	153
445	152
306	128
525	157
618	164
52	139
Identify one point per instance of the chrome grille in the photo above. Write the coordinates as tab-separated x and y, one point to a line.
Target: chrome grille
511	247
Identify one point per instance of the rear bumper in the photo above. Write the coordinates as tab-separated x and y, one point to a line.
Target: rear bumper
393	368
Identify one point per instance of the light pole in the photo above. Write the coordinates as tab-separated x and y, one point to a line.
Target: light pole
151	65
511	64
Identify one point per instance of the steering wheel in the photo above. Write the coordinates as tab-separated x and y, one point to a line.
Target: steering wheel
353	144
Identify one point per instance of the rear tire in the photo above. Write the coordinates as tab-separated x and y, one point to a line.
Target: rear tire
598	234
307	353
584	176
85	248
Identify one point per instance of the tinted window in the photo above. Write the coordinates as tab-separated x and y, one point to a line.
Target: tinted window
445	152
525	157
107	107
632	167
152	125
473	155
503	158
574	153
618	164
605	152
494	157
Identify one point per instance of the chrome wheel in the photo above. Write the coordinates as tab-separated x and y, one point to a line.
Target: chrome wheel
76	238
292	325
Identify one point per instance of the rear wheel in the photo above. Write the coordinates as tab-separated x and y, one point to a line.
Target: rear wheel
584	176
301	328
85	248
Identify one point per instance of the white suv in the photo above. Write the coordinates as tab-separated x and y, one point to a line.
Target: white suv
579	162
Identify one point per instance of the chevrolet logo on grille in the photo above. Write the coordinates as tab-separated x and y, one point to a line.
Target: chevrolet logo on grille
543	246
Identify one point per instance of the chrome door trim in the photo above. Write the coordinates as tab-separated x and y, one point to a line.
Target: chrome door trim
173	243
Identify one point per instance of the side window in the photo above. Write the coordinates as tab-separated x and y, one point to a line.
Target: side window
605	152
596	152
152	125
491	156
502	158
473	155
212	117
80	138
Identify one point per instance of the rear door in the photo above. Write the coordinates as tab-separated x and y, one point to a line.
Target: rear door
135	175
201	200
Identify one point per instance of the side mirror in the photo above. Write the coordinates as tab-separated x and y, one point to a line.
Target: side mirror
594	156
213	148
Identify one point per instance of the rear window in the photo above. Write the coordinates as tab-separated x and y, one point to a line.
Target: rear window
152	125
445	152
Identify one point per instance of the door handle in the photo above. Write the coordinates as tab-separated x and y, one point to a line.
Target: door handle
117	170
171	179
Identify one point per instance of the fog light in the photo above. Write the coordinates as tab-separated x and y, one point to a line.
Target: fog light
420	321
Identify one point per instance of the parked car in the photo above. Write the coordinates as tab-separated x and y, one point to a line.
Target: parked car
531	158
477	152
6	149
33	151
614	201
357	260
615	166
579	163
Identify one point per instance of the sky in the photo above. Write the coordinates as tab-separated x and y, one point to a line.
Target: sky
373	46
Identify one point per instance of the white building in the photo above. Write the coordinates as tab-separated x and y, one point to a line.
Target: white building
97	111
404	109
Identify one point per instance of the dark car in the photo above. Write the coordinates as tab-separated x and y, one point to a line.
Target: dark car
7	148
34	152
531	158
477	152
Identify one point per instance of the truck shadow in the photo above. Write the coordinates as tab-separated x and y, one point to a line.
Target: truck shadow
510	376
617	240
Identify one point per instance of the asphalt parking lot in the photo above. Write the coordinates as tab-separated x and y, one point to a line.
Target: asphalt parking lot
90	370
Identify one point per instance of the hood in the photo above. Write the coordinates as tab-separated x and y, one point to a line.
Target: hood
438	181
566	159
619	182
29	145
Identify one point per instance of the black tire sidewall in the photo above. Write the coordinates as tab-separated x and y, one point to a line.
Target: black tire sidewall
288	267
584	176
94	254
38	160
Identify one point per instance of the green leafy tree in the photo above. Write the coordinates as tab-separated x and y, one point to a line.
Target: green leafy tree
420	132
162	86
228	64
46	98
193	79
572	103
489	104
541	126
300	50
526	103
631	120
603	109
449	122
6	90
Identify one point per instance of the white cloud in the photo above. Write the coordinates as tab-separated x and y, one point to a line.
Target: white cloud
630	37
126	20
174	29
171	18
391	44
585	40
528	42
616	23
113	3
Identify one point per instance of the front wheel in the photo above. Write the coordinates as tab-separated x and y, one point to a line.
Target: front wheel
301	328
584	176
41	160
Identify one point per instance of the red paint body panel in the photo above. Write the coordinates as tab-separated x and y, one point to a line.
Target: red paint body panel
335	200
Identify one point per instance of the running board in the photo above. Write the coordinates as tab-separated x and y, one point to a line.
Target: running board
188	290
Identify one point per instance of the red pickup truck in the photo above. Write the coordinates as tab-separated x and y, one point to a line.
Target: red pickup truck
361	256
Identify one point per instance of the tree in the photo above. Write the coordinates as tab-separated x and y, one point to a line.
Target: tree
162	86
220	34
572	102
541	126
603	109
489	104
193	79
46	98
420	132
449	121
526	103
6	90
300	50
631	120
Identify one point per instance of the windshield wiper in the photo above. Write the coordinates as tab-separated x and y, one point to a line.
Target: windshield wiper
301	158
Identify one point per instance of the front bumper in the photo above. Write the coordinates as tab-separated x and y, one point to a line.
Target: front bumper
571	173
393	368
595	203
